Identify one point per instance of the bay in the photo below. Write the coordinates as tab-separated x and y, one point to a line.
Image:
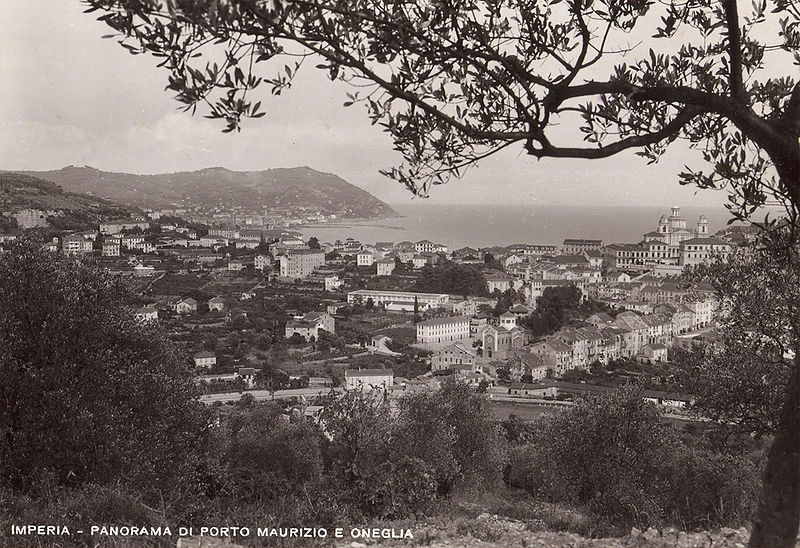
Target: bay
487	225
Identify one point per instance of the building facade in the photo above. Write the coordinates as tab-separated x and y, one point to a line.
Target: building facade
300	263
454	328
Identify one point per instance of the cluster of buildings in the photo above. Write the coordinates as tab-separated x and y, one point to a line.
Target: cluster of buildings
671	244
640	280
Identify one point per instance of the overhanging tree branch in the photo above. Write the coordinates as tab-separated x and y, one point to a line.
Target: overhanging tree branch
546	149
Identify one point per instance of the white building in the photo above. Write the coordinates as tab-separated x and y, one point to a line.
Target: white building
76	244
332	283
399	300
310	325
454	328
701	250
367	379
217	303
365	257
300	263
147	314
385	267
111	249
262	262
205	359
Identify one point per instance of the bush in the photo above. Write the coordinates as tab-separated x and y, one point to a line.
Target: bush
709	489
88	394
455	431
266	454
615	455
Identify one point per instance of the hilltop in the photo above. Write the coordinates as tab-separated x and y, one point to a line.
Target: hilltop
299	188
68	210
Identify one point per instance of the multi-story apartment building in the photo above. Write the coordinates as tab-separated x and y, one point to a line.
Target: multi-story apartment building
300	263
701	250
576	246
454	328
76	244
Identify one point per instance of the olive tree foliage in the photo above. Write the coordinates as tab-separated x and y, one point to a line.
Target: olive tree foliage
742	381
615	454
87	394
394	464
455	82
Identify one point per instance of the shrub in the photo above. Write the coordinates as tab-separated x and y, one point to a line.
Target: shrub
87	393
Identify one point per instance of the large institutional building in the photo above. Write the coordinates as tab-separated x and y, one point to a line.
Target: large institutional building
665	242
399	301
300	263
443	330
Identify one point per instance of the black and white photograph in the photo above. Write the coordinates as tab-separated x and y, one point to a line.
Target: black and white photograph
399	273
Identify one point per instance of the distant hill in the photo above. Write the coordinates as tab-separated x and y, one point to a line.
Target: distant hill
290	188
72	210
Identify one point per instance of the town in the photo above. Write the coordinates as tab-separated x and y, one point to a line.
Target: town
260	311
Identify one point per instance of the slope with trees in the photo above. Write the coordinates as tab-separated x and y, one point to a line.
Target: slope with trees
88	395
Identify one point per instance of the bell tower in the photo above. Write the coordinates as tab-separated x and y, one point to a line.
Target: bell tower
702	227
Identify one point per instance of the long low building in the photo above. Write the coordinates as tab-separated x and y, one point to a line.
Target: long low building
454	328
367	379
399	300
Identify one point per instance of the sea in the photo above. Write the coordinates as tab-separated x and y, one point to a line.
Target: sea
488	225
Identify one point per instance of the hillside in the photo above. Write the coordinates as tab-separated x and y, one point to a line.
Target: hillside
68	209
290	188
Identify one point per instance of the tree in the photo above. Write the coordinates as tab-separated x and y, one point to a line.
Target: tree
743	380
605	452
88	395
456	82
210	342
455	431
313	243
447	277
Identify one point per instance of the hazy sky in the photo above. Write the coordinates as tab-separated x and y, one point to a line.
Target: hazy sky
69	97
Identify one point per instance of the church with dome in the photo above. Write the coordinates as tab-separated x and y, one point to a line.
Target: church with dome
670	247
664	243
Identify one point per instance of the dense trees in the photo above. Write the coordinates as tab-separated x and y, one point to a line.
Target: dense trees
447	277
743	380
553	308
87	393
614	454
391	466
